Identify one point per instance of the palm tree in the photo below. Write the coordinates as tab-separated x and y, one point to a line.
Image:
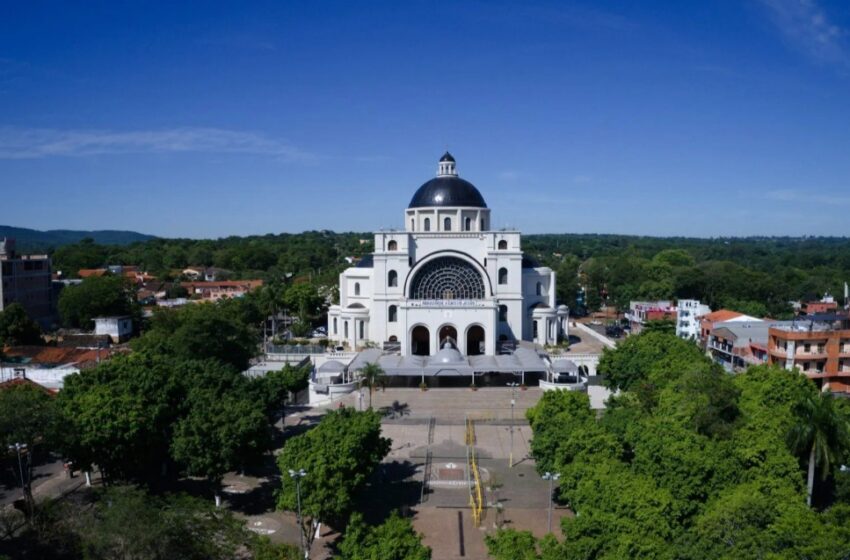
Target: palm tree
372	376
823	432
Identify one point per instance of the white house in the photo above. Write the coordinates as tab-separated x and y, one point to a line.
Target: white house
447	276
119	328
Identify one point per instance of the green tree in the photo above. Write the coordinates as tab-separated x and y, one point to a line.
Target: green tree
220	330
823	433
121	414
16	327
373	377
222	429
511	544
29	415
126	522
394	539
338	455
96	297
303	299
637	356
274	388
264	549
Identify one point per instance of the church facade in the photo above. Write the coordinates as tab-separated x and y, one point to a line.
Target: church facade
446	278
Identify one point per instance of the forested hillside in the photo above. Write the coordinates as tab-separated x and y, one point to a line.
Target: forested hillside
33	240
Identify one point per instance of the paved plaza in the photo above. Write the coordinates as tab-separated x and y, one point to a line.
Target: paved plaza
516	497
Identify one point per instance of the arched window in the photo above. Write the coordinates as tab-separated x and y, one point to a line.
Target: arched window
539	289
447	278
357	288
503	313
361	330
503	245
335	329
392	315
392	279
412	224
427	224
467	224
503	276
392	246
534	329
345	328
447	224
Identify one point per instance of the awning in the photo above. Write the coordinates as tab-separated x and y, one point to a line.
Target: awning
523	360
564	366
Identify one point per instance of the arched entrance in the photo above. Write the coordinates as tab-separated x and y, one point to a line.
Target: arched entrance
420	341
447	331
475	340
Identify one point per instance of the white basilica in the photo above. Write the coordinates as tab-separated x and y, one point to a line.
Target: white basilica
446	279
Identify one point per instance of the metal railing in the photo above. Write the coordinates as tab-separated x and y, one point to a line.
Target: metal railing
476	500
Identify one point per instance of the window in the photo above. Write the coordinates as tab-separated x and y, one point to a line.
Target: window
335	325
427	224
392	246
807	348
447	278
539	290
482	225
412	224
503	276
447	224
357	288
503	313
392	315
467	224
534	329
361	330
392	279
503	245
345	326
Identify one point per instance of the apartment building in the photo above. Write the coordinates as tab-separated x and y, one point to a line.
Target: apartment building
818	345
688	313
26	279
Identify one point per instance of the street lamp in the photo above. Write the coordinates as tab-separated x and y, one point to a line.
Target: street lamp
513	385
551	477
18	448
297	476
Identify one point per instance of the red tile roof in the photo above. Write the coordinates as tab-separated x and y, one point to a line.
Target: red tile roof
55	355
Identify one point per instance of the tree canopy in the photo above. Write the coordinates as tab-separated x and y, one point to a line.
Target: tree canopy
97	296
686	462
394	539
133	414
16	327
338	455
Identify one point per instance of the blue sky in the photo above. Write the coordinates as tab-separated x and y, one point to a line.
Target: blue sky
203	119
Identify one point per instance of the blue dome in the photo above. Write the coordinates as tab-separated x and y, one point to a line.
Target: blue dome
447	190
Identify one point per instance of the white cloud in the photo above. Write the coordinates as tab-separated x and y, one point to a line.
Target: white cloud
806	26
29	143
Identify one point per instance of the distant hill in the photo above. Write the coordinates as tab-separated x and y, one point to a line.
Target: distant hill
33	239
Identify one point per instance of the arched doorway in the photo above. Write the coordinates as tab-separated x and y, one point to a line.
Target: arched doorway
420	341
447	331
475	340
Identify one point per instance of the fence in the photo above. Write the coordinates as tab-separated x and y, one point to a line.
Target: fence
476	501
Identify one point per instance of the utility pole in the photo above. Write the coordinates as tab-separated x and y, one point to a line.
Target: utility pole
18	448
513	385
297	476
551	477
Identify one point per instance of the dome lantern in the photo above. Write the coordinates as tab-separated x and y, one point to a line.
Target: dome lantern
446	166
